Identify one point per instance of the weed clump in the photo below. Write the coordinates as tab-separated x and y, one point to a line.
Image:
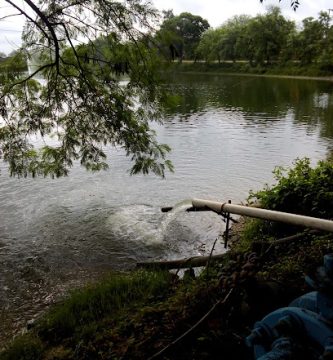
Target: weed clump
302	190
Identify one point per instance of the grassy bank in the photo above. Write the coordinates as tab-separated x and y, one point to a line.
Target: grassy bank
157	315
289	69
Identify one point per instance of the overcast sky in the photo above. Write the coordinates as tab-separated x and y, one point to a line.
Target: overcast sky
215	11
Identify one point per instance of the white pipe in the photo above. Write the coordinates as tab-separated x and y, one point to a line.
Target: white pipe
305	221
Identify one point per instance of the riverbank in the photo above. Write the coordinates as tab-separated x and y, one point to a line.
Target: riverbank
313	72
138	315
156	314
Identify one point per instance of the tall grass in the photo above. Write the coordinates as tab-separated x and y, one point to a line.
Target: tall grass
114	295
99	300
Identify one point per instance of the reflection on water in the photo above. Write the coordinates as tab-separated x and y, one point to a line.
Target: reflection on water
259	99
227	134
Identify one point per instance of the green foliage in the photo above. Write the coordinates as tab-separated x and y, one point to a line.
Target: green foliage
207	48
269	34
181	34
299	190
25	347
17	63
235	38
314	41
81	103
273	43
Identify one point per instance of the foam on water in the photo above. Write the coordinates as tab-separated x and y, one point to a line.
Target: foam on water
136	223
143	223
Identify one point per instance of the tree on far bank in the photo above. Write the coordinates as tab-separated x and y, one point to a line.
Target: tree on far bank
309	41
234	40
268	36
208	48
262	39
315	40
182	33
81	106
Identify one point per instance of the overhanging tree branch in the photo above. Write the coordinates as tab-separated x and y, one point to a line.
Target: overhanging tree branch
82	101
50	28
28	17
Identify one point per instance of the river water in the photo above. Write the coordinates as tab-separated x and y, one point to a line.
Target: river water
227	134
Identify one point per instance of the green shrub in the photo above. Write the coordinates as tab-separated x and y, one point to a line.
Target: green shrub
300	190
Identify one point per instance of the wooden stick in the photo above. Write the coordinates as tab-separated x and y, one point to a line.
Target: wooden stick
195	261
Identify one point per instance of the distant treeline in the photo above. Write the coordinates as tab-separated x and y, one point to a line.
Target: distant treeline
261	40
242	44
15	61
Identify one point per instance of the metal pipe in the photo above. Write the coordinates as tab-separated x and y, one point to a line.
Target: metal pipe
293	219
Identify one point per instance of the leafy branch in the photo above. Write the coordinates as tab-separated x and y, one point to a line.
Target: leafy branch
81	49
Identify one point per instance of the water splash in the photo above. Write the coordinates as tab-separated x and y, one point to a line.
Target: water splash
172	215
136	223
143	223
